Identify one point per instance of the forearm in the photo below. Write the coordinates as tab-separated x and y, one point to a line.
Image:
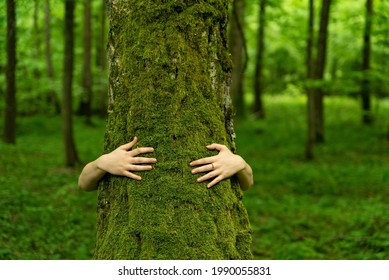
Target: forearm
245	177
90	176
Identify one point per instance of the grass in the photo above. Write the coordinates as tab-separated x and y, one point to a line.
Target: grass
335	207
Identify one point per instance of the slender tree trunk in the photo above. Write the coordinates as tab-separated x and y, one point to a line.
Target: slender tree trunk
309	151
259	79
365	87
49	63
85	108
170	74
36	29
71	157
239	56
10	89
319	70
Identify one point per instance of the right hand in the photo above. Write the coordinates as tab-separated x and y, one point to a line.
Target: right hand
123	160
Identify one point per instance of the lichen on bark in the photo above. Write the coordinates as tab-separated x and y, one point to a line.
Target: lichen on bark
169	81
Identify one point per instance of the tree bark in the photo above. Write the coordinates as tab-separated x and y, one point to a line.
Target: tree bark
259	79
319	70
238	55
365	87
85	108
169	81
71	157
309	151
10	89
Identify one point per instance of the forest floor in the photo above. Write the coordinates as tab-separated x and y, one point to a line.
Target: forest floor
335	207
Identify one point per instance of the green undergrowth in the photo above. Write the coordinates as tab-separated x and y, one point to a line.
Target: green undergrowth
332	208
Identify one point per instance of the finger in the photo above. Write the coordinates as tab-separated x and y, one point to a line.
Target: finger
215	181
139	151
129	145
207	176
204	168
140	167
203	161
142	160
132	175
217	147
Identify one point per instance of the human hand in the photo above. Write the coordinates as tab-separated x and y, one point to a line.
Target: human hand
219	167
123	160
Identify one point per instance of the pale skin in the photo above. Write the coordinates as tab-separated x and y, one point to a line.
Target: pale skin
125	160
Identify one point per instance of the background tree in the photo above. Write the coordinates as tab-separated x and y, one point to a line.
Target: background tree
71	157
239	55
169	85
85	108
309	151
365	86
320	64
258	78
10	91
52	96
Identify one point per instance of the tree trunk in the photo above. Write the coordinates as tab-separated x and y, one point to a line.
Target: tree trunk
258	79
365	87
49	63
309	151
85	108
10	89
319	70
239	56
169	84
71	157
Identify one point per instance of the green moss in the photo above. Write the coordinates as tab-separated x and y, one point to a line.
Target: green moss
163	55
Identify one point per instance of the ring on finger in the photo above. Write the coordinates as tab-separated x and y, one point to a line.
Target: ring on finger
213	167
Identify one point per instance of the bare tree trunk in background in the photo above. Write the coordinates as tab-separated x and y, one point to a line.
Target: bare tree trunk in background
49	63
365	87
10	88
239	56
319	70
259	79
309	151
85	108
71	157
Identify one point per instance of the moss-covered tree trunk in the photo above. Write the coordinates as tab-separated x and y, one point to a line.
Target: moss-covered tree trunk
169	85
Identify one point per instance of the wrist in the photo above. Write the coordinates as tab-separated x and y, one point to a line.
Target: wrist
99	163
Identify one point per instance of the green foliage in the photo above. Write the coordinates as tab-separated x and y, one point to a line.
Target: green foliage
333	208
43	215
285	45
33	85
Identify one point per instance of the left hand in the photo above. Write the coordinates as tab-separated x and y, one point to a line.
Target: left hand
219	167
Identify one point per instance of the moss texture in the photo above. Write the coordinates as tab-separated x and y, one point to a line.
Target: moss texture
169	82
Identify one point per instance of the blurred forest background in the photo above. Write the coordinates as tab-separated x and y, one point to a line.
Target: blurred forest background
311	92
